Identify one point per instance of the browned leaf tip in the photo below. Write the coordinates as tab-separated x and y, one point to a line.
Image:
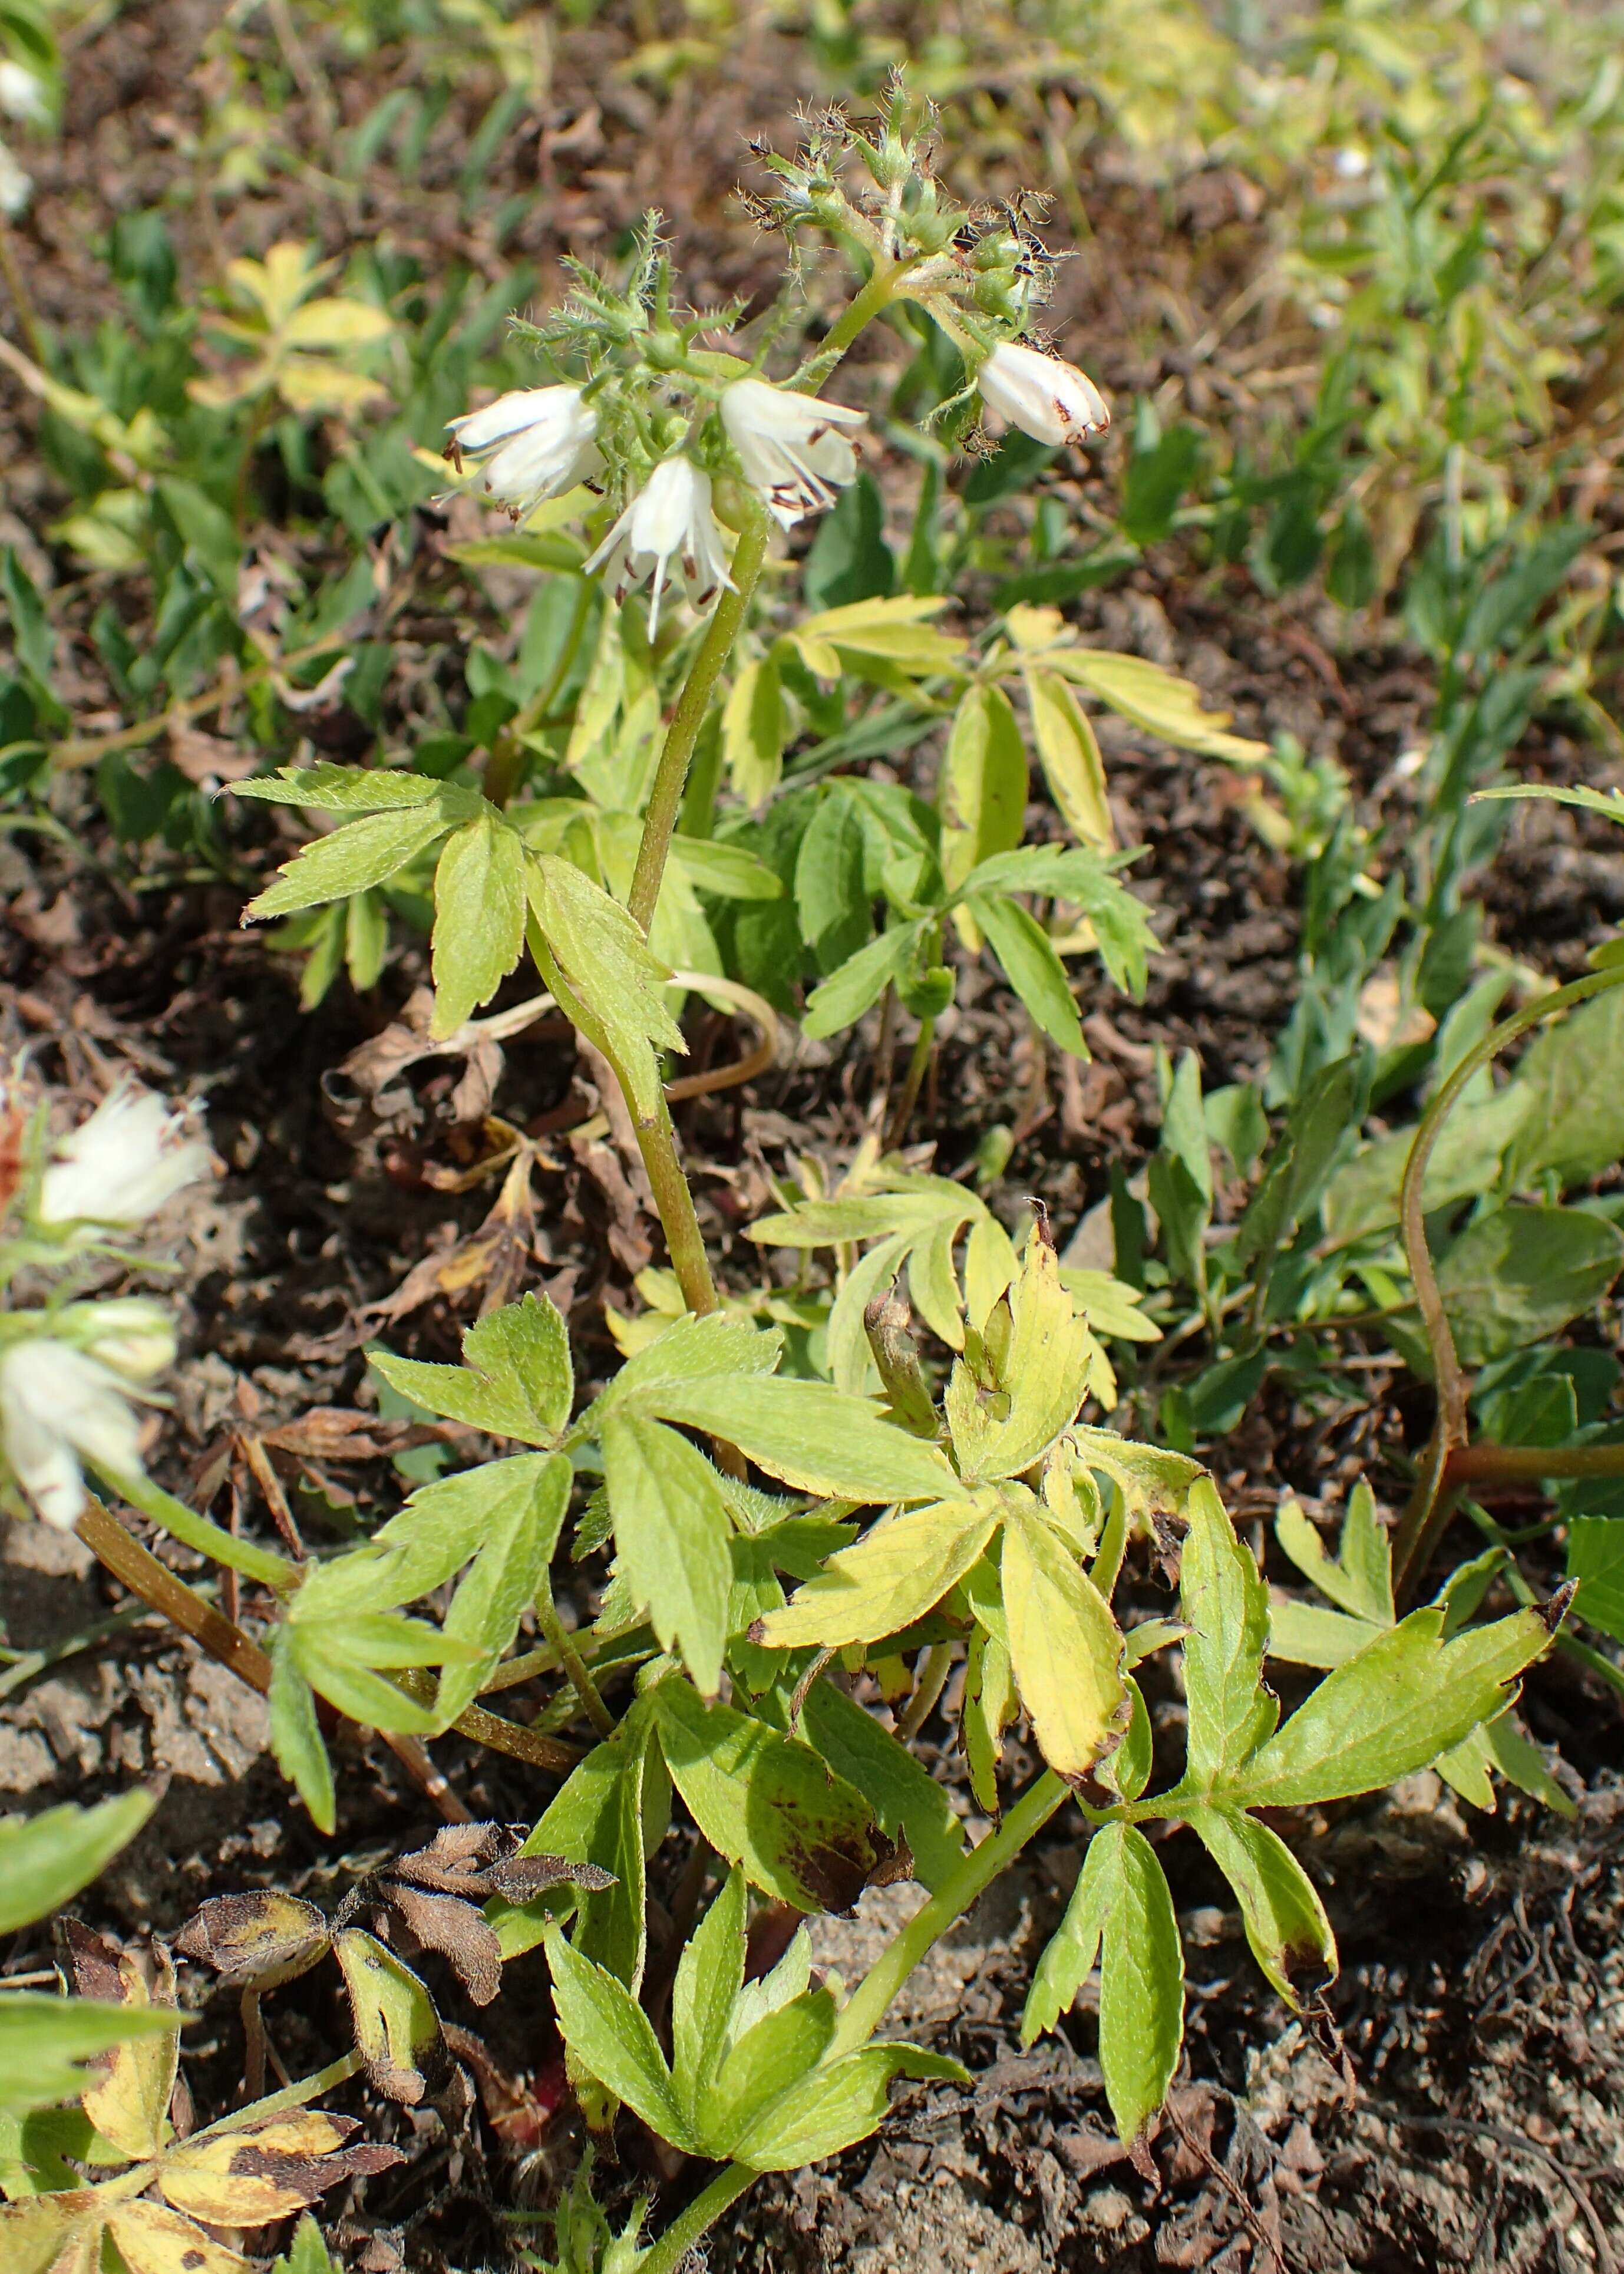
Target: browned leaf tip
262	1939
94	1962
456	1930
1554	1611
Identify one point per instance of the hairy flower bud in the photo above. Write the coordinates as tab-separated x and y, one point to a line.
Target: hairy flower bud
670	519
534	443
790	446
1051	401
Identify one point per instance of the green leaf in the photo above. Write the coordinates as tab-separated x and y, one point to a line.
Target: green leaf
1359	1580
44	2039
479	917
516	1380
904	1795
1596	1560
358	789
1362	1194
808	1435
830	899
1574	1120
30	625
611	1810
837	2104
710	1977
610	2035
982	787
767	1801
346	1658
1072	766
1305	1635
605	960
295	1734
1225	1606
768	2057
1394	1707
1320	1122
860	982
728	872
515	1551
307	2253
1284	1918
205	532
1032	968
361	854
1083	877
441	1527
901	1569
1066	1650
1070	1952
690	1350
672	1532
46	1859
1141	1978
396	2028
1522	1273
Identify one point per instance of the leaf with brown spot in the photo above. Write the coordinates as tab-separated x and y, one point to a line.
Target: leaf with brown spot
266	2171
154	2240
129	2102
256	1941
397	2030
52	2234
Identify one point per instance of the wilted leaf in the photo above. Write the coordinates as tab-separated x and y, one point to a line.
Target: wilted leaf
256	1941
153	2241
262	2171
1065	1647
129	2103
396	2028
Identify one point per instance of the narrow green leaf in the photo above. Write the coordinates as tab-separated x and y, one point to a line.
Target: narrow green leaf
479	917
1032	966
672	1532
605	959
46	1859
1070	1952
905	1797
710	1977
860	982
358	854
358	789
1142	1981
514	1552
609	2034
1359	1579
774	2056
1284	1918
1394	1707
295	1734
44	2039
836	2104
1225	1606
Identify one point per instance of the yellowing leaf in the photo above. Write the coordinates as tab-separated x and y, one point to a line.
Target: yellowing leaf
1046	1372
154	2240
1072	766
129	2104
52	2233
336	324
897	1572
307	383
264	2172
1066	1649
396	2027
1157	700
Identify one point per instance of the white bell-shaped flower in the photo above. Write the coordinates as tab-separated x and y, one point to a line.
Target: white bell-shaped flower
534	443
133	1336
60	1408
122	1164
790	446
1051	401
669	520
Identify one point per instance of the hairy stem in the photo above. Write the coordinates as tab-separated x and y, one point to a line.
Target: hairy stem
571	1661
1429	1506
1504	1465
671	778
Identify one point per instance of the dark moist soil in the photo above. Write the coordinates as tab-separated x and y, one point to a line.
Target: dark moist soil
1453	2100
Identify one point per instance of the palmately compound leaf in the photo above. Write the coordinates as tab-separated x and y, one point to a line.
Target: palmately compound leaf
1359	1578
767	1801
1066	1650
1121	1910
1280	1907
46	1859
1393	1707
514	1550
672	1534
515	1379
609	2035
1225	1608
901	1569
478	917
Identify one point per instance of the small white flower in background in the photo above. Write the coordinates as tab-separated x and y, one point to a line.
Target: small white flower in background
790	446
16	187
22	94
1051	401
127	1332
124	1163
534	443
670	519
59	1407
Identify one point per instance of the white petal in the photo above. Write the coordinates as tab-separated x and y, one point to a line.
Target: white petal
122	1164
57	1405
551	410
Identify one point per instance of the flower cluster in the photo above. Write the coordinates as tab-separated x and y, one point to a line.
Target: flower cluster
69	1369
690	441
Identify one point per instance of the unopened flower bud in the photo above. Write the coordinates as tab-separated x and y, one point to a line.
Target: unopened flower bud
1051	401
